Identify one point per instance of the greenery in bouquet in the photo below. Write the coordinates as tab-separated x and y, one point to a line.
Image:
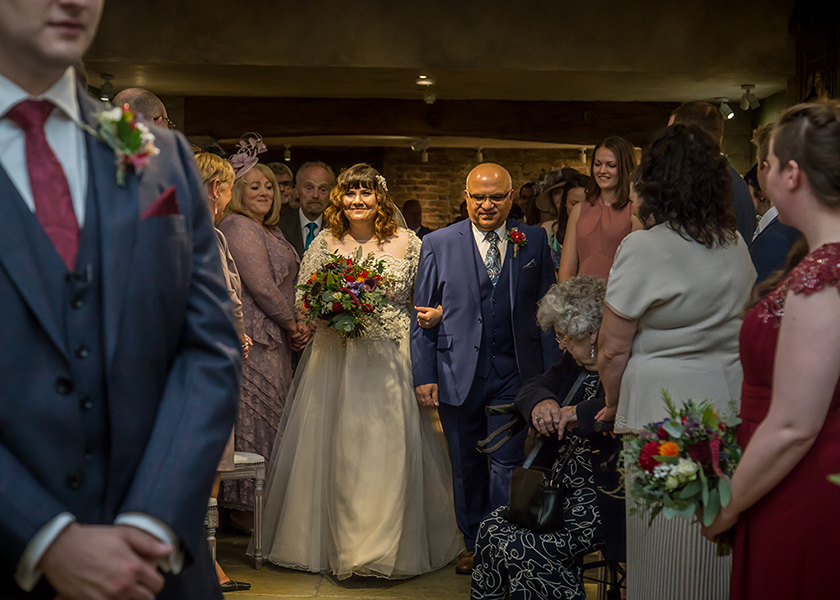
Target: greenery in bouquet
344	292
682	466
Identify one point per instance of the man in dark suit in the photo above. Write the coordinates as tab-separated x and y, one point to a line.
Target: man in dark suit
412	210
314	182
119	363
772	239
709	119
488	341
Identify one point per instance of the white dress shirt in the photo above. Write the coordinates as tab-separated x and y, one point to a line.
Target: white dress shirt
304	225
67	140
766	219
64	135
484	245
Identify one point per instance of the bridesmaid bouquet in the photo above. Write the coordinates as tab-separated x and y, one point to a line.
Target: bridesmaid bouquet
682	466
344	291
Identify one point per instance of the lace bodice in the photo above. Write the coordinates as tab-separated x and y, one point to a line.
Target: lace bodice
819	269
393	321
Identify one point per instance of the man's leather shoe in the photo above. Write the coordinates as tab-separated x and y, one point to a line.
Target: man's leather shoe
235	586
465	564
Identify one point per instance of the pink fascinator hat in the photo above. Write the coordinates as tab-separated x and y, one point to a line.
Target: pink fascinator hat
250	144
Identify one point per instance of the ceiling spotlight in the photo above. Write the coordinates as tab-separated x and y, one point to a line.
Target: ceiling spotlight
429	97
424	156
725	109
479	155
583	155
106	90
420	145
425	80
287	155
748	99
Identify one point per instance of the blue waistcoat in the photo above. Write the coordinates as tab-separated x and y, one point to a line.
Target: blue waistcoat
497	343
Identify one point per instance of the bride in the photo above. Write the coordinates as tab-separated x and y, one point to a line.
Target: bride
359	480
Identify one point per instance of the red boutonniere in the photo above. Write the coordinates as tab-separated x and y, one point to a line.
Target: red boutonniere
517	238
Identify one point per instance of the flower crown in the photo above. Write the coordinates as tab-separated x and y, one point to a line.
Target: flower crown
250	144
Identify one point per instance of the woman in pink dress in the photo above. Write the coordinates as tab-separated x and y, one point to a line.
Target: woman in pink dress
597	226
784	509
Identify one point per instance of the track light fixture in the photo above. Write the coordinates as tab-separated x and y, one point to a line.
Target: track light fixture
748	98
420	144
479	155
287	155
424	156
106	90
725	109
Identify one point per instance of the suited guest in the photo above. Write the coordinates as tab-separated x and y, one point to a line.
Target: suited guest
760	201
313	183
412	210
146	103
772	239
487	343
268	266
117	412
708	118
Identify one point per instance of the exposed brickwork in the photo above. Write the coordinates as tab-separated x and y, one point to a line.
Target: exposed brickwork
439	183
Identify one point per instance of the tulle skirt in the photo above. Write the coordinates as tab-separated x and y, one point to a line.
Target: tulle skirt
359	479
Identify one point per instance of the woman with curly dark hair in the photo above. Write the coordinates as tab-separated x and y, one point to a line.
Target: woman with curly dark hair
360	481
671	320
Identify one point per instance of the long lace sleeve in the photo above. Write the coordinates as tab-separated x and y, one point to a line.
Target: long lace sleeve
247	243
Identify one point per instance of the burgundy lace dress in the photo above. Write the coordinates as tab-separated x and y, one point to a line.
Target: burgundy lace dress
268	266
787	545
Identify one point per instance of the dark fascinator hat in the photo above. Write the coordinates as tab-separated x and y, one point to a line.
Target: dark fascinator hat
250	144
551	181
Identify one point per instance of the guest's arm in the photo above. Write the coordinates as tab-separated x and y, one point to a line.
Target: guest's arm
805	376
615	340
246	241
569	257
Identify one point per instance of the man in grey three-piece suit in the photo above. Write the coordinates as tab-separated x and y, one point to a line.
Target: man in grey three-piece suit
119	363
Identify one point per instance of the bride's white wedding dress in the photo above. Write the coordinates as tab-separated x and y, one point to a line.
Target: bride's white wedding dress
359	479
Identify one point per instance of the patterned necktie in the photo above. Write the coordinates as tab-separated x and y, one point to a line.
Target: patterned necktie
50	190
309	236
493	259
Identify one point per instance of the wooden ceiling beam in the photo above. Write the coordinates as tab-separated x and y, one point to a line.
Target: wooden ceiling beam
559	122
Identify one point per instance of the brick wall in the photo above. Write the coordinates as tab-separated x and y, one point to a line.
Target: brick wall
439	183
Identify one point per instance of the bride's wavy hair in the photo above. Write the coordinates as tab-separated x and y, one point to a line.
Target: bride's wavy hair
361	176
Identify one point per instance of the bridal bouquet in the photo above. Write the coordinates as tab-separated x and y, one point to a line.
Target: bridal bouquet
344	291
682	466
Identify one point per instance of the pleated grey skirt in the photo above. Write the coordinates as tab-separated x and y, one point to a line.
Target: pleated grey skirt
671	560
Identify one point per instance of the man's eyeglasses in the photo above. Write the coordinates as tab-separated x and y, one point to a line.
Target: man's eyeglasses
494	198
164	122
287	184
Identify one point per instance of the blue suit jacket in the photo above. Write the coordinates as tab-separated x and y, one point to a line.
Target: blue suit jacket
447	275
171	365
770	248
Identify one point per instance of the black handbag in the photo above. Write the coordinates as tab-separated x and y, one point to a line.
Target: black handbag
536	494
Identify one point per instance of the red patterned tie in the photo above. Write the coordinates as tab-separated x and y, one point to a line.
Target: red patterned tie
50	190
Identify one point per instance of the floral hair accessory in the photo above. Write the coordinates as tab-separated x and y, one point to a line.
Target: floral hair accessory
250	144
381	181
132	142
517	238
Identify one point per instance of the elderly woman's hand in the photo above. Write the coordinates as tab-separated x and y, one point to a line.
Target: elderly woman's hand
548	417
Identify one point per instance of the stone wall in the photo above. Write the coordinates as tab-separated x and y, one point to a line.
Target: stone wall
439	183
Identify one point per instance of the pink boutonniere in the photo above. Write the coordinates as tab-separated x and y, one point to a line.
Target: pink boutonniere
517	238
132	142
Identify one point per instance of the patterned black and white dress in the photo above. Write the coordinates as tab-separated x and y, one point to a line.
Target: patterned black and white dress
532	565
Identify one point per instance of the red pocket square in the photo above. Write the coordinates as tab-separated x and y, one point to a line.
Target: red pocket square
165	205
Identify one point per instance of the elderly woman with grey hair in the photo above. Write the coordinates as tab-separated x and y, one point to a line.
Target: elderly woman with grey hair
518	563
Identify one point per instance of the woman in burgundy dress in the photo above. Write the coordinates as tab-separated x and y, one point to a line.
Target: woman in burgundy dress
785	511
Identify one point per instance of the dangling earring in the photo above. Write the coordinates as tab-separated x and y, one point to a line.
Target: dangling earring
216	205
592	351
